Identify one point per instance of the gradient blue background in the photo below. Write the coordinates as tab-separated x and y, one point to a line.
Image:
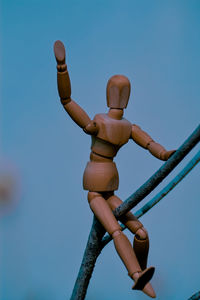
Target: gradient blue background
156	44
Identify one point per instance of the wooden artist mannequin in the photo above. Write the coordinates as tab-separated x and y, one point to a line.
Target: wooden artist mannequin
109	133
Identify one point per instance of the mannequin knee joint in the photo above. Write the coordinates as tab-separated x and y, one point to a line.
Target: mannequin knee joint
141	233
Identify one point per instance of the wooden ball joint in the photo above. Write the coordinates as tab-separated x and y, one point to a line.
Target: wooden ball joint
109	133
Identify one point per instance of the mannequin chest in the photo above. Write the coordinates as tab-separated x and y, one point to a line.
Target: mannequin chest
116	132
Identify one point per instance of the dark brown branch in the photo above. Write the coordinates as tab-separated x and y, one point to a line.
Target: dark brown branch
94	245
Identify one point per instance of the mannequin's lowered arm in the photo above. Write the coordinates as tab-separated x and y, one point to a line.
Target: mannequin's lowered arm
144	140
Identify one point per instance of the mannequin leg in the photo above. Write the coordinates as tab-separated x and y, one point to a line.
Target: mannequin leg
123	247
140	246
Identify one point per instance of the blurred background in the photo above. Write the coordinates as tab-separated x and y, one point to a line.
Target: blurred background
44	230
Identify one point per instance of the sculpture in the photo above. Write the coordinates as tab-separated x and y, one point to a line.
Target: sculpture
109	133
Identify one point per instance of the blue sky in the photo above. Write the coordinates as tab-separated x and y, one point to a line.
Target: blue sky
156	45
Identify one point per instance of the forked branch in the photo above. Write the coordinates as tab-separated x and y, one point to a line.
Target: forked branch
95	244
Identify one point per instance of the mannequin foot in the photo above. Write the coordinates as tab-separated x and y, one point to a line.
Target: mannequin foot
148	290
142	278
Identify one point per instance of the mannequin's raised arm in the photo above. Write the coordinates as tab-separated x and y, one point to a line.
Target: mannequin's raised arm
77	114
144	140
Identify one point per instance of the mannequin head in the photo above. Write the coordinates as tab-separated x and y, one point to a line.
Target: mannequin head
118	92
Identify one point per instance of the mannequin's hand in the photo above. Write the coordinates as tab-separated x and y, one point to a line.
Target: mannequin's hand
59	51
166	155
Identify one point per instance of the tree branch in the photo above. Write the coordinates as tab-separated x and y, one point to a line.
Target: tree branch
195	296
92	251
94	246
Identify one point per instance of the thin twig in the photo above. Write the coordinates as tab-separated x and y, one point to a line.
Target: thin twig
93	247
